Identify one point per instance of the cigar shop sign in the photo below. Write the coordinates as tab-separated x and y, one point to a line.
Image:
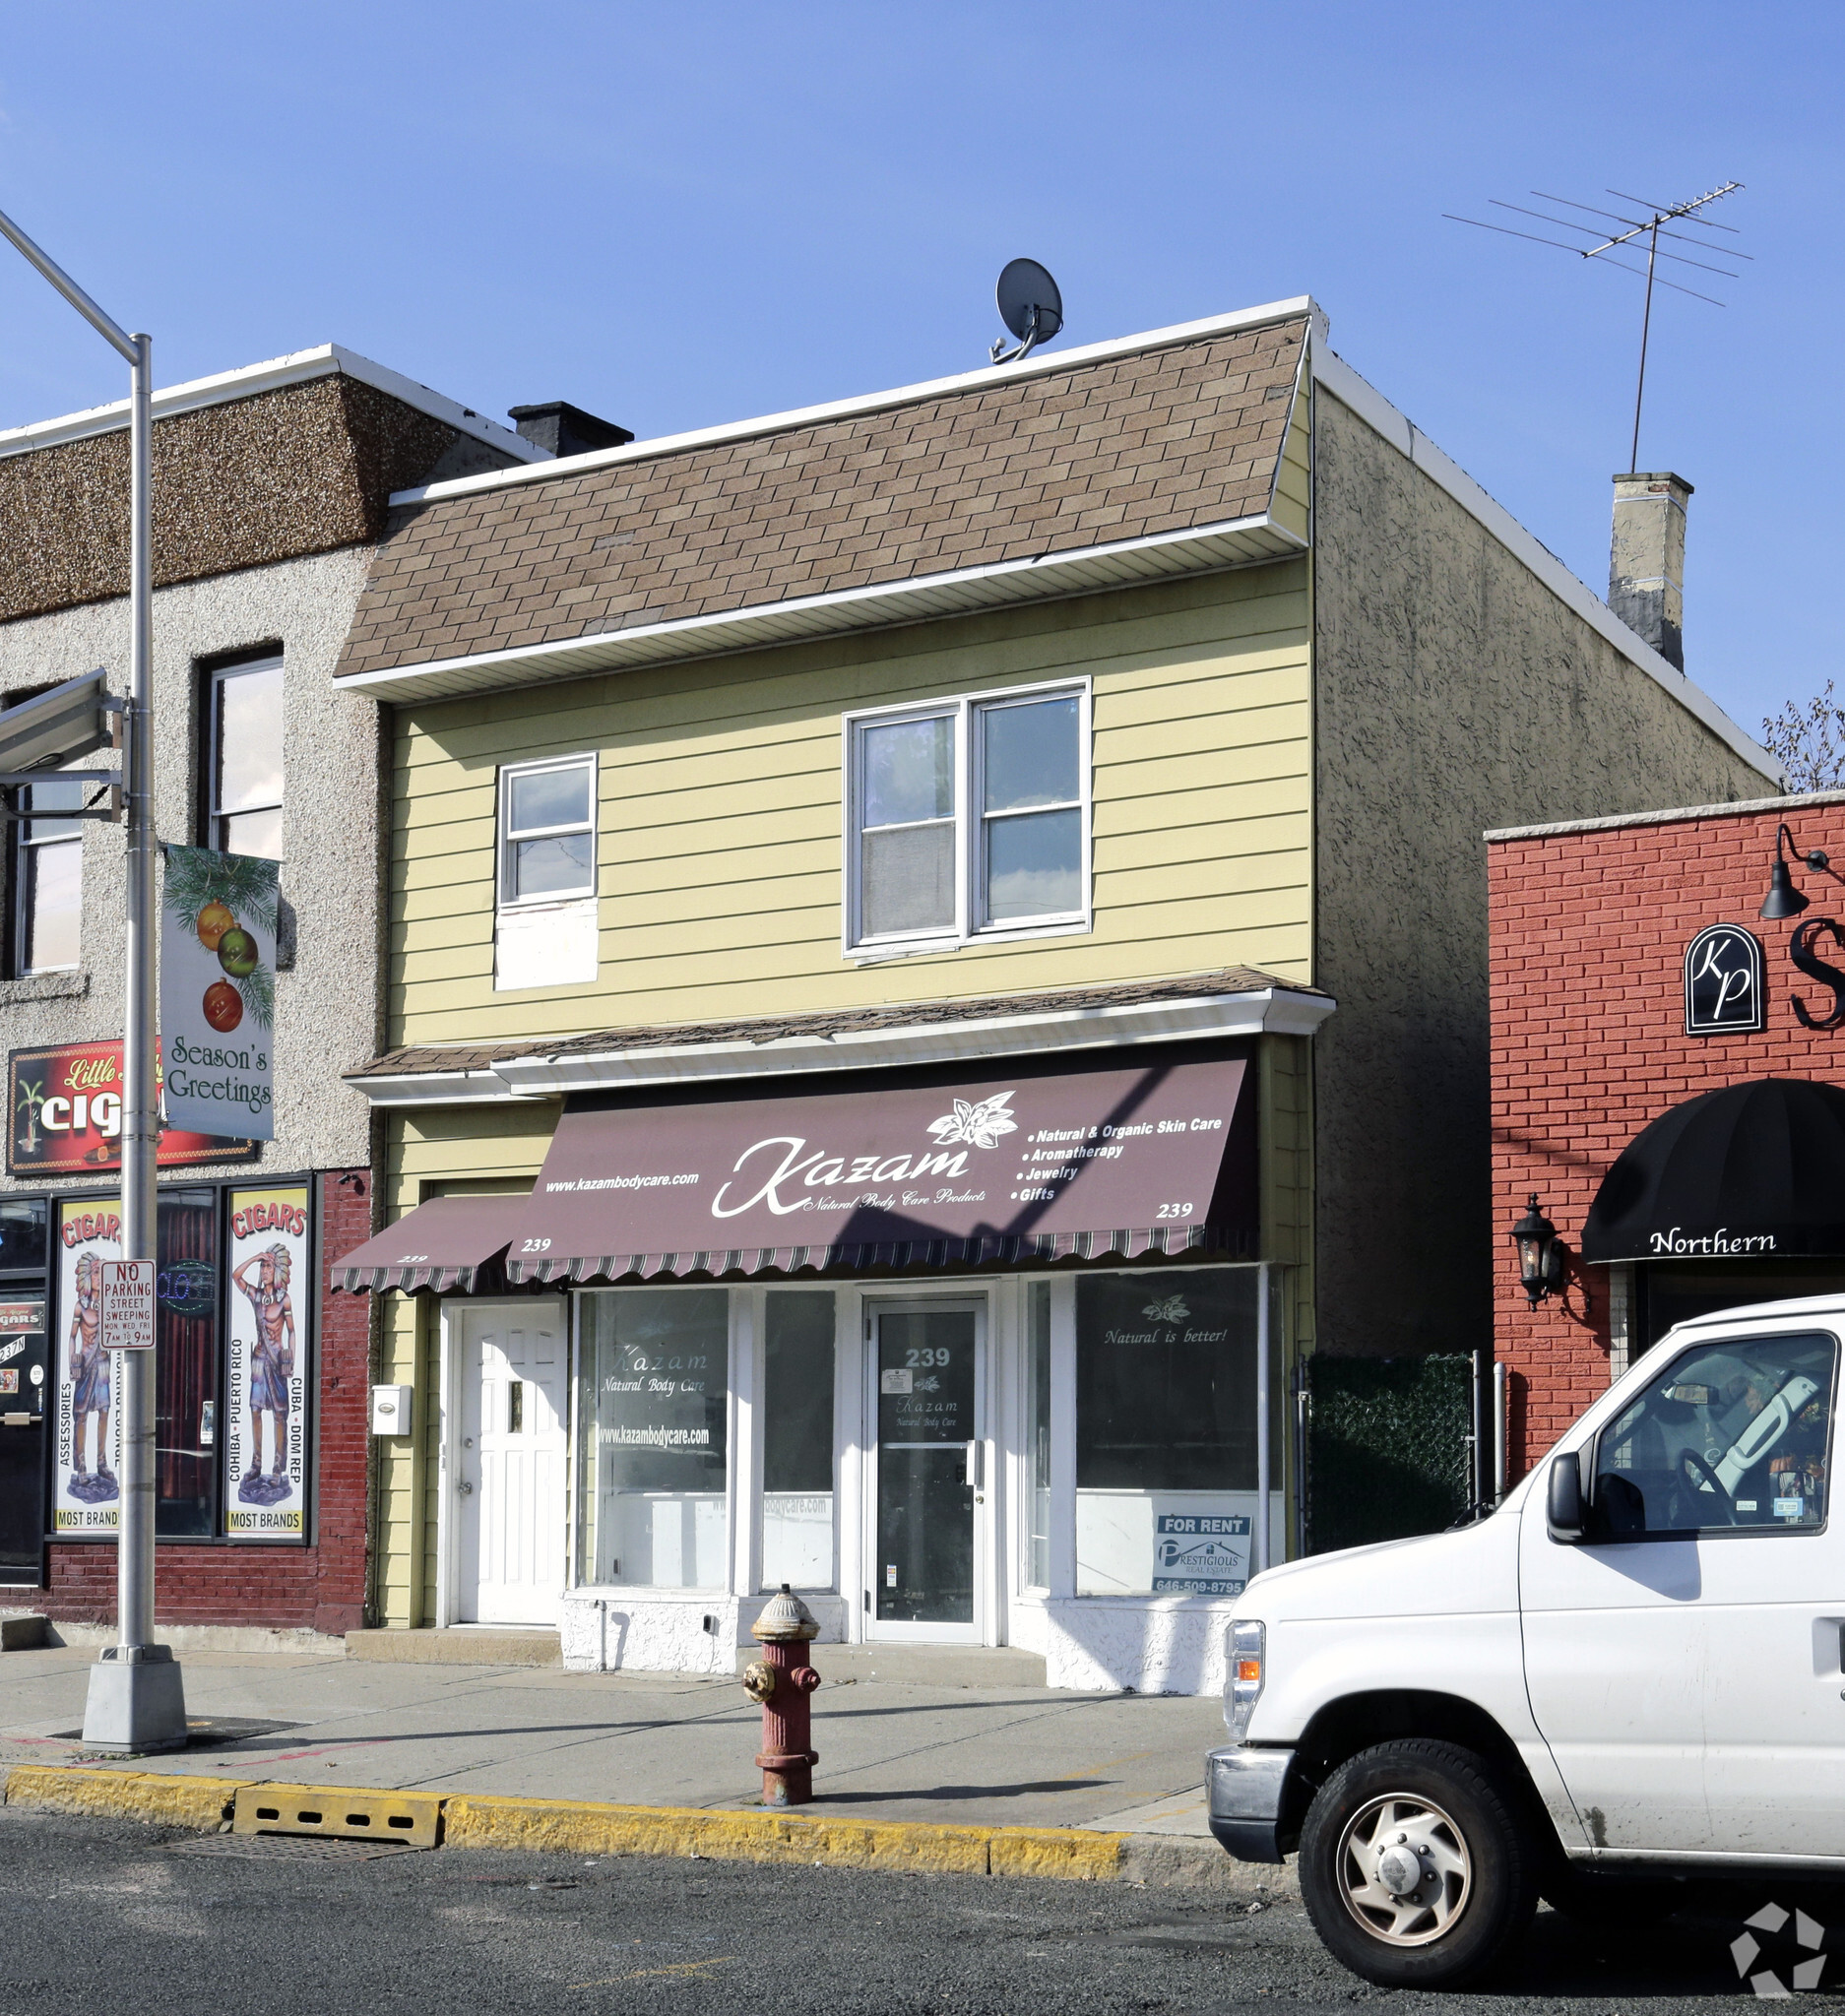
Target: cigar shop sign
1726	986
64	1107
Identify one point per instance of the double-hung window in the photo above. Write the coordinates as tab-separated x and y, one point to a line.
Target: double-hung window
243	810
547	830
968	818
545	931
47	880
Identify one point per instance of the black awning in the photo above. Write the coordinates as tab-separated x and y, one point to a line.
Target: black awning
1753	1172
449	1243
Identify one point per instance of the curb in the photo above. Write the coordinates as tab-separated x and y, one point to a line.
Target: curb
579	1826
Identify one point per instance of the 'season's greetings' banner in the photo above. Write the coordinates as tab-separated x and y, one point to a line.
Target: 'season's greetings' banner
86	1487
218	990
266	1364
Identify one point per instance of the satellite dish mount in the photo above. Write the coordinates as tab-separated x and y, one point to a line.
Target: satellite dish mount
1030	306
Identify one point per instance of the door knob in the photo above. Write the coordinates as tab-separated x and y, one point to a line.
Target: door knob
465	1488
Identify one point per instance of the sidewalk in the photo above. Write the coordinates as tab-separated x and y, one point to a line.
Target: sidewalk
992	1756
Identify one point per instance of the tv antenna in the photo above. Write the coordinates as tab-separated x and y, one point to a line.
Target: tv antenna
1030	305
1652	227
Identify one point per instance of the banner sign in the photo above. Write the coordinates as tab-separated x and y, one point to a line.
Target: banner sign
266	1365
85	1487
218	990
65	1108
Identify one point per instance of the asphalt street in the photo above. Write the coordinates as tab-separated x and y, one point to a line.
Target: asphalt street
103	1914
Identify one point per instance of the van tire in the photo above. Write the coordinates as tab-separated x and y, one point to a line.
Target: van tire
1480	1885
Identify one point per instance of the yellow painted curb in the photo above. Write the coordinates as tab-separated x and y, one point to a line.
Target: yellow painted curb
165	1799
582	1827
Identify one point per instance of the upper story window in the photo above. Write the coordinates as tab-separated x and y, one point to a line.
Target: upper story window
547	830
244	761
968	818
47	880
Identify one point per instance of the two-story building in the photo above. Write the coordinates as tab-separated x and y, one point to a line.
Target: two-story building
269	490
936	945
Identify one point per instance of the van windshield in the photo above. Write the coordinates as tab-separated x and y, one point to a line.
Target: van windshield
1730	1434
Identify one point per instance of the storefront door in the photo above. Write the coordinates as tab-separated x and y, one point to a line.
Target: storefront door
926	1502
22	1386
509	1466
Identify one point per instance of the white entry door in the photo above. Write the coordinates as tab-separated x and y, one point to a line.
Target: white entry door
926	1517
508	1474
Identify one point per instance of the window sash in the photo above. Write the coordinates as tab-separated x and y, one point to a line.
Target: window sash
513	838
972	825
225	811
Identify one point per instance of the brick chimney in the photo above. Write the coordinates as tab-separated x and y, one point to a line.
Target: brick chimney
566	429
1646	562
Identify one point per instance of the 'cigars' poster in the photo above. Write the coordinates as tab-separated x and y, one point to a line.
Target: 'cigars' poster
87	1492
266	1364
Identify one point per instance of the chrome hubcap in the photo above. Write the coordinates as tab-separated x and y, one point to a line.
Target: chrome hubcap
1403	1870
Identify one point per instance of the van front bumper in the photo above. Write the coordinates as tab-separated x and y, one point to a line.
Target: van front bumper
1244	1783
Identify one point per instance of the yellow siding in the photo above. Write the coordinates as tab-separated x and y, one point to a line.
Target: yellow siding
721	814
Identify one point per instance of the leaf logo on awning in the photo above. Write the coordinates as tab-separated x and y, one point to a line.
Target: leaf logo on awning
980	1125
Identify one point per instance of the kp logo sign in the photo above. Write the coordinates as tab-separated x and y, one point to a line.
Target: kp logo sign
1723	982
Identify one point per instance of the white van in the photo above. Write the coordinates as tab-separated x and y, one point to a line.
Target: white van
1629	1674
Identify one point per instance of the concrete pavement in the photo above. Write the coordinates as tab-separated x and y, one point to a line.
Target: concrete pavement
995	1756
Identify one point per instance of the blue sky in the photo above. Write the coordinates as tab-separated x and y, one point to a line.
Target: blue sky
676	216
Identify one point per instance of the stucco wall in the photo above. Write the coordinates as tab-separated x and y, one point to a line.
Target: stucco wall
326	1012
1453	692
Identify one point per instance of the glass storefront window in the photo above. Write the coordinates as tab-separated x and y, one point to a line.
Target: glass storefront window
186	1365
797	1442
1166	1430
653	1369
1038	1429
22	1236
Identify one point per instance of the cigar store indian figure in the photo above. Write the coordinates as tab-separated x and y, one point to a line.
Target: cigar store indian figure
272	1367
89	1378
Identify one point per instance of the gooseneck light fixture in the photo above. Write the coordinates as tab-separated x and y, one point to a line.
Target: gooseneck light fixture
1543	1258
1783	899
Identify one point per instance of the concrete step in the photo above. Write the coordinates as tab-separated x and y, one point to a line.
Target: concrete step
459	1645
25	1631
922	1666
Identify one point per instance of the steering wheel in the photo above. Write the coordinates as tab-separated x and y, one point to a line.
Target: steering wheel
1692	1464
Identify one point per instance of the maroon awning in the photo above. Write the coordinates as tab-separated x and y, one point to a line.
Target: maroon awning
448	1244
1041	1163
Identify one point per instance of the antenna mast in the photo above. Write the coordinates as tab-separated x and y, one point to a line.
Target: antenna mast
1649	228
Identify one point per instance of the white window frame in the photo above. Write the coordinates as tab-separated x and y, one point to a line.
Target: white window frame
217	679
26	849
970	925
505	837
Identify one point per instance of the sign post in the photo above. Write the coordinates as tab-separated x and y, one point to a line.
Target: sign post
137	1700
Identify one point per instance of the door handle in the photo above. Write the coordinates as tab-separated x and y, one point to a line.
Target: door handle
465	1488
970	1466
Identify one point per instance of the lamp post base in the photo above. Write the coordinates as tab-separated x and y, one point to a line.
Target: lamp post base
136	1701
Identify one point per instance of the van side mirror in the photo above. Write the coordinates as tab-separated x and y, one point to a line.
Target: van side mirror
1565	1498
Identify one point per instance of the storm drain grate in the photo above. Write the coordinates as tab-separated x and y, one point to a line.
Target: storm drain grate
309	1847
413	1817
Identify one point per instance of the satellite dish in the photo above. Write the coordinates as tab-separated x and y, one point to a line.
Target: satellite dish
1030	305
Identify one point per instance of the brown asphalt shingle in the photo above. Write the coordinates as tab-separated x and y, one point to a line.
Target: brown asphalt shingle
1151	442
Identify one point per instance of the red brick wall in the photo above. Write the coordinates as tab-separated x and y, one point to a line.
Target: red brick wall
1588	933
319	1588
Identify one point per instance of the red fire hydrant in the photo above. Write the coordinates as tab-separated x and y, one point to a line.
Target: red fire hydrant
781	1686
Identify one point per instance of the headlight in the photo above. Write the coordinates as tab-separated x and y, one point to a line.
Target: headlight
1245	1645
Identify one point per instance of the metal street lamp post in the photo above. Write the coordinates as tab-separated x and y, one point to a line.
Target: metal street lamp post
137	1697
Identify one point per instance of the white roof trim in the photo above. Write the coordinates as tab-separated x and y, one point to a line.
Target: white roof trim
1039	364
1269	1011
1345	384
1731	809
323	361
1236	543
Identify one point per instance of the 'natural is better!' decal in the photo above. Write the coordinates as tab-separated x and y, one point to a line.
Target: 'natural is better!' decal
218	990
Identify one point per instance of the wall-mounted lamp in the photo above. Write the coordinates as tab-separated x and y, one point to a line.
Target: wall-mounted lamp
1543	1258
1783	899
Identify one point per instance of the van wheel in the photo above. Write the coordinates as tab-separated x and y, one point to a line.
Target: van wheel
1414	1865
